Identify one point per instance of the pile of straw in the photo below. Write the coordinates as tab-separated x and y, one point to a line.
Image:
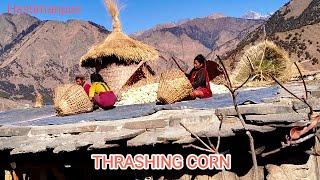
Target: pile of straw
39	102
266	59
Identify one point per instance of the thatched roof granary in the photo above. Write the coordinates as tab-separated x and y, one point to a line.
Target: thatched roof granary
118	46
118	56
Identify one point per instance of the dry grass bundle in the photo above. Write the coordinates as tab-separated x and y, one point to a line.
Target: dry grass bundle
38	101
265	59
118	44
112	6
71	99
174	86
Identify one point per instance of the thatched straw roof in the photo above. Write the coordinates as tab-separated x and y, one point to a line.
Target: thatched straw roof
118	45
266	59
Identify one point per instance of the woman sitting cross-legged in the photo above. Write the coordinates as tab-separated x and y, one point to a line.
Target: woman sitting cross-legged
100	93
199	79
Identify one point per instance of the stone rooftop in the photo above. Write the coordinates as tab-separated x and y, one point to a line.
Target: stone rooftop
39	130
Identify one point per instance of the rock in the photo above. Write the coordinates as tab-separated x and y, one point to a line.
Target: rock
277	118
66	148
249	175
315	94
185	140
10	143
149	124
8	131
173	134
314	102
63	129
229	128
212	129
122	134
66	143
105	128
295	124
221	175
310	78
146	138
256	109
291	171
253	128
35	145
101	145
227	175
69	143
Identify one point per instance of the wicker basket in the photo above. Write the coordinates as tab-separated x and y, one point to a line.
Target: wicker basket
116	76
174	86
71	99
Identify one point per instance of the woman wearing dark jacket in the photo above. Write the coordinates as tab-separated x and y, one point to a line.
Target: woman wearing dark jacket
199	79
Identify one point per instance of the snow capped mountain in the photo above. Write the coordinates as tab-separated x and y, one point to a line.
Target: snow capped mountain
216	16
255	15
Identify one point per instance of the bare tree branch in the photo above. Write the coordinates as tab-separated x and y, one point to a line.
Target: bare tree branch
174	59
220	117
197	147
197	137
210	143
225	72
251	139
291	143
304	83
245	82
301	99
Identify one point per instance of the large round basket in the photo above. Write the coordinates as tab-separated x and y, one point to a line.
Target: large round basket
116	75
174	86
71	99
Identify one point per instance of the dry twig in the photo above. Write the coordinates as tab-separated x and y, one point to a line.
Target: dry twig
233	95
291	143
220	117
304	83
198	138
197	147
304	100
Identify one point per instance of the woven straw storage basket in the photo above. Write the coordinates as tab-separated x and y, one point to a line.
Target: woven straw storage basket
174	86
71	99
116	76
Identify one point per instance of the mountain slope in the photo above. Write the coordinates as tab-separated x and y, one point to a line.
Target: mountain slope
38	55
14	27
294	27
200	35
45	56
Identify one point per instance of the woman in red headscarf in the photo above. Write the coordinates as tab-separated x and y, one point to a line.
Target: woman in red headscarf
199	79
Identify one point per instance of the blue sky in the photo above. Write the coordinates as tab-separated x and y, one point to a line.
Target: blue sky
137	15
